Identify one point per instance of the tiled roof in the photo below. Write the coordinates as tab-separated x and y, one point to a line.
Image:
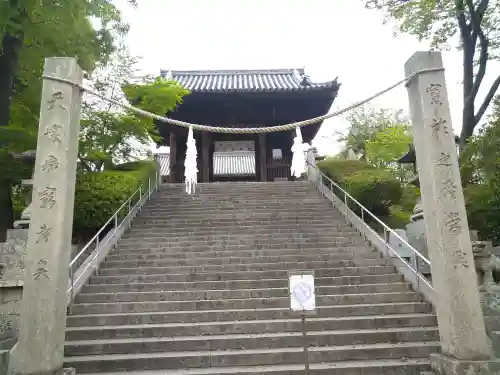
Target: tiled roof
246	80
225	163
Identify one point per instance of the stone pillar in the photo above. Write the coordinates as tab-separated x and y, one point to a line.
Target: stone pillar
262	139
206	143
173	158
464	343
40	347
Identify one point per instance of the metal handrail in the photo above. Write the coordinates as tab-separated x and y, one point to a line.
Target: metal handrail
387	229
114	218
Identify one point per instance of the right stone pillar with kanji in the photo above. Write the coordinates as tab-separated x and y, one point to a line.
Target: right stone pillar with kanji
465	345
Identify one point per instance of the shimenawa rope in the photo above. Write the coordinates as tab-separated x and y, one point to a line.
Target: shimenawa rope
221	129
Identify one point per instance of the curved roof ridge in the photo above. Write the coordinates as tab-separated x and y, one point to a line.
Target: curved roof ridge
201	72
251	80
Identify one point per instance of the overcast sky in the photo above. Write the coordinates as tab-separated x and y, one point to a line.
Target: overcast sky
328	37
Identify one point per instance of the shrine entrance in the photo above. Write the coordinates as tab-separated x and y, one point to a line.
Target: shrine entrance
243	99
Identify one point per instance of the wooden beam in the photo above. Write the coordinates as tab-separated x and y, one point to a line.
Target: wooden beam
206	144
262	139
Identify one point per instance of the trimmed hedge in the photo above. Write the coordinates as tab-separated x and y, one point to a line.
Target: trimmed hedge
98	195
337	170
376	189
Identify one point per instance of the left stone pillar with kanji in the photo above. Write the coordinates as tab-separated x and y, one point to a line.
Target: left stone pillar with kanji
40	348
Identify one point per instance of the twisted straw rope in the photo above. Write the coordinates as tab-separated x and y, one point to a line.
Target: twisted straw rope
221	129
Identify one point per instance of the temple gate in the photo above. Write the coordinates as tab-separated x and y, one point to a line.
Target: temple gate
244	98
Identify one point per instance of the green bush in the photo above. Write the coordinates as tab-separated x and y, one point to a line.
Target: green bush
338	170
375	189
409	197
398	217
99	194
142	170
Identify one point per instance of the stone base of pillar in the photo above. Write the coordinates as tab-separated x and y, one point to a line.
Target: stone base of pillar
445	365
4	361
64	371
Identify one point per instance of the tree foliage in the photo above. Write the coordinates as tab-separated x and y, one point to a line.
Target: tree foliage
364	124
109	134
472	25
388	145
32	30
481	157
480	169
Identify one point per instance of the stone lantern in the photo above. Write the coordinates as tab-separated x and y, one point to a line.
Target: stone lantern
27	157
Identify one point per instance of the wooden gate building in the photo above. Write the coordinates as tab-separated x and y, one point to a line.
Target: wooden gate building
244	98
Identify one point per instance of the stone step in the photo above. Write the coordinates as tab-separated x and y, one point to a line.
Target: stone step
159	246
228	208
153	229
281	203
244	217
249	341
242	303
258	193
239	315
235	223
158	233
197	234
240	284
158	267
250	275
239	194
244	256
240	187
166	260
286	199
98	332
255	357
203	189
166	295
139	228
220	189
279	210
235	239
403	366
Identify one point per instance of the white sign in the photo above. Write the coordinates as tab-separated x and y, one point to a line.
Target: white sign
302	296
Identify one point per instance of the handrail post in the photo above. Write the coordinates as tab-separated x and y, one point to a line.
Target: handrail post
72	281
97	246
346	213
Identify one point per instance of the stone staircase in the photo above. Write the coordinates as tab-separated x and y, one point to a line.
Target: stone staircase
199	286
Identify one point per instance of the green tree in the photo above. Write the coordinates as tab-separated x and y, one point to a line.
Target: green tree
472	25
387	146
364	124
480	166
31	30
480	159
109	134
